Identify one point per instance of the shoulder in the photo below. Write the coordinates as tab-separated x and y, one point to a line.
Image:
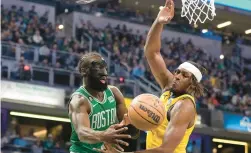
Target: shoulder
186	103
114	90
185	106
77	101
117	93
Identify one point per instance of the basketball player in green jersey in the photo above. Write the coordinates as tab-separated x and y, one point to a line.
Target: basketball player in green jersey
95	109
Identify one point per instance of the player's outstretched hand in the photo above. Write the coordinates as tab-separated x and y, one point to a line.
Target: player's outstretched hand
166	12
113	135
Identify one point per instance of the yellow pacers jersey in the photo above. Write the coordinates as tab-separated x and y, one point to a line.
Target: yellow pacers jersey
155	137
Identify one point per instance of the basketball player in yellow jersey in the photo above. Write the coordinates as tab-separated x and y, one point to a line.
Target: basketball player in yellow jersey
179	89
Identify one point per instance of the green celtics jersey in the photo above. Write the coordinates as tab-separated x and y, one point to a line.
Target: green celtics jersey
102	116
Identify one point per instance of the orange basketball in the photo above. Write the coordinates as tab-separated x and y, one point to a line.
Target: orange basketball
146	112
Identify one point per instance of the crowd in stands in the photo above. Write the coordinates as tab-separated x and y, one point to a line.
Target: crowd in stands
115	10
28	28
227	84
15	141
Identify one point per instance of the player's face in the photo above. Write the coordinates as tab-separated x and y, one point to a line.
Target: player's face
97	76
182	80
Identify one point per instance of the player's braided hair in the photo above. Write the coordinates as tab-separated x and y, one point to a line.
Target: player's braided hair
85	62
196	89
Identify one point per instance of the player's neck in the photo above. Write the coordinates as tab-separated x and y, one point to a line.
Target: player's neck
177	94
94	93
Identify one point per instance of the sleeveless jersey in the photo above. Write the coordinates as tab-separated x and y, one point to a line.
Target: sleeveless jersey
102	116
155	137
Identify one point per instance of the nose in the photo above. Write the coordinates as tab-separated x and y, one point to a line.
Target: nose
104	72
177	76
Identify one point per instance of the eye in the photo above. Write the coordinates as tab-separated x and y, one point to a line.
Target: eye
186	75
176	71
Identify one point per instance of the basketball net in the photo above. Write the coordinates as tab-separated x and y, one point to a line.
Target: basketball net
195	10
85	1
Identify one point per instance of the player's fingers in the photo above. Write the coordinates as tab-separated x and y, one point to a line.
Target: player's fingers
123	136
99	150
118	147
168	3
122	142
172	6
161	7
117	126
120	130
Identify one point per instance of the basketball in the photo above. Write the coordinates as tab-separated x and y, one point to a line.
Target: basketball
146	112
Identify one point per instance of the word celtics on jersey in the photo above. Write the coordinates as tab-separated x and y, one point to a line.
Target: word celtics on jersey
103	114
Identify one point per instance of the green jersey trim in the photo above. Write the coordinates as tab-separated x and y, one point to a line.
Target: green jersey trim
104	97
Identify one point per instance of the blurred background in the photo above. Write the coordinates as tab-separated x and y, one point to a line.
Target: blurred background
42	41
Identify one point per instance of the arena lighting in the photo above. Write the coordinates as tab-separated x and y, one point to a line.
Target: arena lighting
121	79
245	144
40	133
220	146
224	24
204	31
61	27
26	67
214	150
248	31
43	117
221	56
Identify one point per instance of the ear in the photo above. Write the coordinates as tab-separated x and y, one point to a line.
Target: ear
84	72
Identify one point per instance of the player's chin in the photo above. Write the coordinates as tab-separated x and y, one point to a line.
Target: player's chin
176	89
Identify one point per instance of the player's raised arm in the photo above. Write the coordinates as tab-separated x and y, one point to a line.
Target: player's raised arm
153	44
79	109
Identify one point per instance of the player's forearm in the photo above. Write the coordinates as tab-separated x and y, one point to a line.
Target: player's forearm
153	40
90	136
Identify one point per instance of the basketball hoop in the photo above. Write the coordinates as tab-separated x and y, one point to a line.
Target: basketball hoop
195	10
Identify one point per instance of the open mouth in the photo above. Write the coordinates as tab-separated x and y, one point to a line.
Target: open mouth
103	79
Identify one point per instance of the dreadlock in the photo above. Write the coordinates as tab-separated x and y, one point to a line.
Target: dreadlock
85	62
196	89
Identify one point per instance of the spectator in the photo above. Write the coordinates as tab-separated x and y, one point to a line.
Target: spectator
32	12
44	52
58	149
19	141
37	39
138	71
31	134
236	100
48	143
45	62
37	147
